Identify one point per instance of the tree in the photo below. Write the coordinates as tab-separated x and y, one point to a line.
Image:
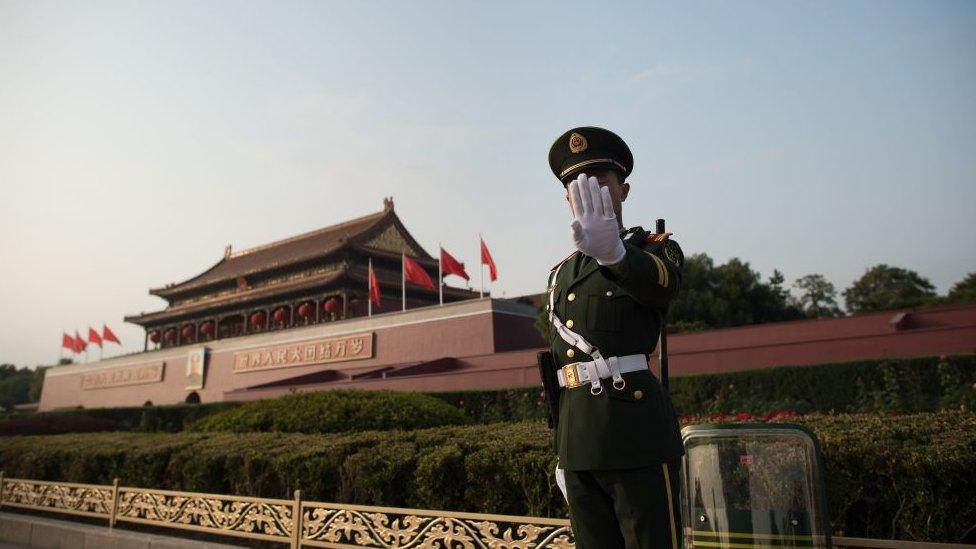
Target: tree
964	290
818	296
729	295
36	384
14	385
884	287
779	304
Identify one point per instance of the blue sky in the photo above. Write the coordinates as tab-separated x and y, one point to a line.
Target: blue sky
138	139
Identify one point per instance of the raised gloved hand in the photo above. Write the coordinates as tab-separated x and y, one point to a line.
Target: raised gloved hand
595	229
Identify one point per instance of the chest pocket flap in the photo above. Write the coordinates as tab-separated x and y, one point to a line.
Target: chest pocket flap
609	309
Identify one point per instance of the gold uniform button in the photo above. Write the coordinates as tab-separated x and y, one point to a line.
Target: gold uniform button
638	394
571	297
569	323
609	293
570	353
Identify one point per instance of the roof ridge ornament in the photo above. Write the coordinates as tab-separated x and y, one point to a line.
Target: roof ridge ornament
228	251
387	203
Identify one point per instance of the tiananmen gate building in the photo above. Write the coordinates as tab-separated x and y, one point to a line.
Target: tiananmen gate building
291	316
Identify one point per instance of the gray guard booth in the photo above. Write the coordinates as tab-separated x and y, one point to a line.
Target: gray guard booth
753	485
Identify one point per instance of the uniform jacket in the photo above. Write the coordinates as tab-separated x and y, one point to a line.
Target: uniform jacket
617	308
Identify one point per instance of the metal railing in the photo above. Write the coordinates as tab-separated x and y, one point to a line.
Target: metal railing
293	521
310	523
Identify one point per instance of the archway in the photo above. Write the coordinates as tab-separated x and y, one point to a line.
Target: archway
193	398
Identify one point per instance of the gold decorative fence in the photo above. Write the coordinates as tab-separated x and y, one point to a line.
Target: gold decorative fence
318	524
292	521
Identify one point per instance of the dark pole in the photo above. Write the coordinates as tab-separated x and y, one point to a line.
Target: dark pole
662	348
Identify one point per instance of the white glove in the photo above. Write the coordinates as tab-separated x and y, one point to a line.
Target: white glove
561	481
595	229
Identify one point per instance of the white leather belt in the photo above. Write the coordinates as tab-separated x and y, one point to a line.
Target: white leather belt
575	374
604	367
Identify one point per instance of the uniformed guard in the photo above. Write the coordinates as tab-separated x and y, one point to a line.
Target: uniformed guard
615	430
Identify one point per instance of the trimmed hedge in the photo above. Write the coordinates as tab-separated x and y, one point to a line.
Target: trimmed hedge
901	476
904	476
902	385
53	425
170	419
905	385
495	405
334	411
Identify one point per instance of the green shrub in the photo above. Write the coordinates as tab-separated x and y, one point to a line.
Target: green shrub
334	411
903	476
170	419
42	424
494	405
904	385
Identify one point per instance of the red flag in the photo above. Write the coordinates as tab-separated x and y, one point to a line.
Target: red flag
109	335
487	260
451	266
67	341
80	344
374	286
93	337
413	272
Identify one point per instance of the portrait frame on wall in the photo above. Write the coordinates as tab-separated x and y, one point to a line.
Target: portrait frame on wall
196	368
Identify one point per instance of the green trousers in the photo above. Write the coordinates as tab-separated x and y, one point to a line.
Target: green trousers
626	508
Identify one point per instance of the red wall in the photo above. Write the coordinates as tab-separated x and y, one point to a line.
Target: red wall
483	335
923	332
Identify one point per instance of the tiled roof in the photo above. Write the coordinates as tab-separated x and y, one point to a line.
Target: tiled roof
280	252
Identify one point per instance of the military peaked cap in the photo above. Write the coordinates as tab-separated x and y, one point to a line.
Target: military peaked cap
588	148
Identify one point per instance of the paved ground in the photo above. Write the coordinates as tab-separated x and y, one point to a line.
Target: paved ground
20	531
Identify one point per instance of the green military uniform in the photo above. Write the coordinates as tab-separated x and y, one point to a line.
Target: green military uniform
618	441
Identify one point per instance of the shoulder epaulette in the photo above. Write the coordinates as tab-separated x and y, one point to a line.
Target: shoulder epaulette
657	238
561	261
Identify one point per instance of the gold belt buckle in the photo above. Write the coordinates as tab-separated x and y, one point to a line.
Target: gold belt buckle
571	375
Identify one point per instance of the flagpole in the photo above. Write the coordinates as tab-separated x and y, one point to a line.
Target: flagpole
440	272
369	289
403	281
481	266
61	353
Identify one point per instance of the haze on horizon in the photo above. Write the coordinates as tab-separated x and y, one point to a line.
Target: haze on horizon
138	139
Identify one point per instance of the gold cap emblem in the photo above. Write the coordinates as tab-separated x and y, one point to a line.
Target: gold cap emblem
577	143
